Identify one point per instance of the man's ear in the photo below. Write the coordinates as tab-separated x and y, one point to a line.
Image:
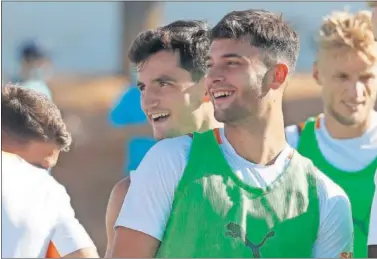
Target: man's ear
279	75
315	73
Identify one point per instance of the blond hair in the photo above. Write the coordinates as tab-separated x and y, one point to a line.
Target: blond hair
343	30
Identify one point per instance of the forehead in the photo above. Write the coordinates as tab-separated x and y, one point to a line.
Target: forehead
347	61
241	47
161	63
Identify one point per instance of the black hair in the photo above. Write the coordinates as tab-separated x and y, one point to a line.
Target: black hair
188	37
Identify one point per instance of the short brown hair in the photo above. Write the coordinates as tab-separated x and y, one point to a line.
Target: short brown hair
31	116
265	30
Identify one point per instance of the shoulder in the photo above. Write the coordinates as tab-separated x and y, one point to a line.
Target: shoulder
114	205
27	176
120	188
117	195
332	198
168	151
165	161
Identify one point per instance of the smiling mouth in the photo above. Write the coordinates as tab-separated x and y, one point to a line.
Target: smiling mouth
159	117
222	94
353	106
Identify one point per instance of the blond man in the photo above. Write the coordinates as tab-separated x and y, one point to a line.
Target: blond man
342	142
372	240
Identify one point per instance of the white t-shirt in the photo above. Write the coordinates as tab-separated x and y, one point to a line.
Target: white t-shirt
148	203
349	155
36	210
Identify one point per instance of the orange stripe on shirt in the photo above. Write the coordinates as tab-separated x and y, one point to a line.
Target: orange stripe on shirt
52	252
317	122
216	131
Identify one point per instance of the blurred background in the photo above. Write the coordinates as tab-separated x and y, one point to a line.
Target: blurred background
76	53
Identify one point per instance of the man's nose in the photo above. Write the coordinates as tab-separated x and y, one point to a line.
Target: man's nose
357	90
215	76
149	99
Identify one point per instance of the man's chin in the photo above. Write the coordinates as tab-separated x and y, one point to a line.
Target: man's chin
164	134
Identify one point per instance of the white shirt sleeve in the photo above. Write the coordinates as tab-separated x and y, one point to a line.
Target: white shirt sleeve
372	238
292	135
335	234
147	205
68	235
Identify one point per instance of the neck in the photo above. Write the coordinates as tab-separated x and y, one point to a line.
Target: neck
260	139
339	131
7	148
207	120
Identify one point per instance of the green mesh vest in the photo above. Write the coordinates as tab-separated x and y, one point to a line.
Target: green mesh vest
214	214
359	186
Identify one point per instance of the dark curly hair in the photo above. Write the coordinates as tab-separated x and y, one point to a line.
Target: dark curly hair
264	30
188	37
27	115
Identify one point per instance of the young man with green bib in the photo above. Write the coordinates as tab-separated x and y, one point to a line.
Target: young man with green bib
372	239
342	142
171	85
240	191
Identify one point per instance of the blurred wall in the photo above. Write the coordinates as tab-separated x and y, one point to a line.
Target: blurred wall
82	37
87	37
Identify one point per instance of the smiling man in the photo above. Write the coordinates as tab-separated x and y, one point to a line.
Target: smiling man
171	69
342	142
372	239
240	191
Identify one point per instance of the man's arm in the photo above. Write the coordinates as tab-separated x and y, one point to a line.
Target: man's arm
146	207
113	208
69	237
335	236
372	238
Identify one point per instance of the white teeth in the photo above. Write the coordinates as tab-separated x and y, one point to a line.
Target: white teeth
222	94
159	115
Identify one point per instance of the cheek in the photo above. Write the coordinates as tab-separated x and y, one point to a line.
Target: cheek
240	80
329	95
176	102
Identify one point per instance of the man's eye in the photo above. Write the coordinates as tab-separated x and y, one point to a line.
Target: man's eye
141	87
342	76
232	63
163	84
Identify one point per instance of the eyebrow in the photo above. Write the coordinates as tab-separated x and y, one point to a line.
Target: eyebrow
228	55
164	78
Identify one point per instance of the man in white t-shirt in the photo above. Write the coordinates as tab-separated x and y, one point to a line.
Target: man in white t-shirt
182	202
37	216
372	239
178	108
342	142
